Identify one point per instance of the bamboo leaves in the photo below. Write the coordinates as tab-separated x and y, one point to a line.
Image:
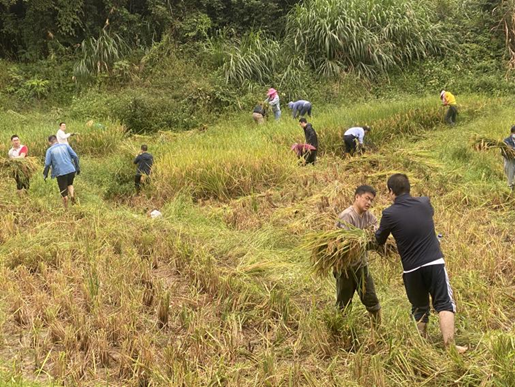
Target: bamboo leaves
366	36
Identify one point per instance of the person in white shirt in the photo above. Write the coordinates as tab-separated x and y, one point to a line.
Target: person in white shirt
62	136
351	135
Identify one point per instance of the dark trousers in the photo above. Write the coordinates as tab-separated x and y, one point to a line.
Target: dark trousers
22	182
356	280
428	281
350	144
450	116
310	156
140	180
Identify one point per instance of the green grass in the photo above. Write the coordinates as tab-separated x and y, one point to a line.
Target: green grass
219	291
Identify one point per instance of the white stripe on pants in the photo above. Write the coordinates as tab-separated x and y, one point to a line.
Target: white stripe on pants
449	290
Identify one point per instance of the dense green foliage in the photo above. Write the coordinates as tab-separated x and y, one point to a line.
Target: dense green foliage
36	29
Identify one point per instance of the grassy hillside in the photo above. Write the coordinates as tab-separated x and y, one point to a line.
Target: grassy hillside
219	290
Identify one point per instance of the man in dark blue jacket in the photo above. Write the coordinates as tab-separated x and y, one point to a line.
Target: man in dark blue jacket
311	139
410	221
144	162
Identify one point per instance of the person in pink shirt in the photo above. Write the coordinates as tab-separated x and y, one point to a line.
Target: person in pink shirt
19	151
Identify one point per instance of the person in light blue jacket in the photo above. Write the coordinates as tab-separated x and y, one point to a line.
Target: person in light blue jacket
65	165
300	108
273	101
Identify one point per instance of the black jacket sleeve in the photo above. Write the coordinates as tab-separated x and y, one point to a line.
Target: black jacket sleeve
384	230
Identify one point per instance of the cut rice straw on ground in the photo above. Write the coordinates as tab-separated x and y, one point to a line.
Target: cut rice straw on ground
481	143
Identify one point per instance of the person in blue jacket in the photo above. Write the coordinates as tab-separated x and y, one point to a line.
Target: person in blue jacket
300	108
65	165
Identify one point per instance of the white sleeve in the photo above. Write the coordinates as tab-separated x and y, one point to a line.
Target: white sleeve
361	136
62	136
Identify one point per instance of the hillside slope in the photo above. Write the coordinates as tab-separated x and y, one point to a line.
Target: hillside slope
219	290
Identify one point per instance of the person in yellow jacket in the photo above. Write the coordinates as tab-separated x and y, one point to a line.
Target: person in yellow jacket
448	99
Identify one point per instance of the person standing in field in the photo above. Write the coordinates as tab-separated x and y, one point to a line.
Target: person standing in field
65	165
300	108
19	151
311	139
410	221
509	164
358	277
351	135
448	99
273	100
259	113
62	136
144	162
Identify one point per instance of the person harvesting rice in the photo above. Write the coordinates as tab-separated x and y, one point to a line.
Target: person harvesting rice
144	162
311	139
357	278
448	99
509	162
273	100
19	151
300	108
61	135
65	165
410	221
353	139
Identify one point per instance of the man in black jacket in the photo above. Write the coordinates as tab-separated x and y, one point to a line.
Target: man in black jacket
144	161
410	221
311	139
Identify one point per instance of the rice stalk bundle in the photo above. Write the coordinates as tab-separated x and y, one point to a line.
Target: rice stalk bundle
23	167
481	143
336	249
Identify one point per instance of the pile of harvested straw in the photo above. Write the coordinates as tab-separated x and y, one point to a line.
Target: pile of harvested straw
23	167
481	143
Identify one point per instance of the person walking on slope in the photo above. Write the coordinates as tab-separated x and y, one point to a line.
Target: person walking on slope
311	139
62	136
144	162
300	108
410	221
358	278
449	100
351	135
19	151
65	164
273	100
509	164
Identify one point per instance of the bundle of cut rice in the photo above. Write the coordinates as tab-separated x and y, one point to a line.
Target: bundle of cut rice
337	249
23	167
481	143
